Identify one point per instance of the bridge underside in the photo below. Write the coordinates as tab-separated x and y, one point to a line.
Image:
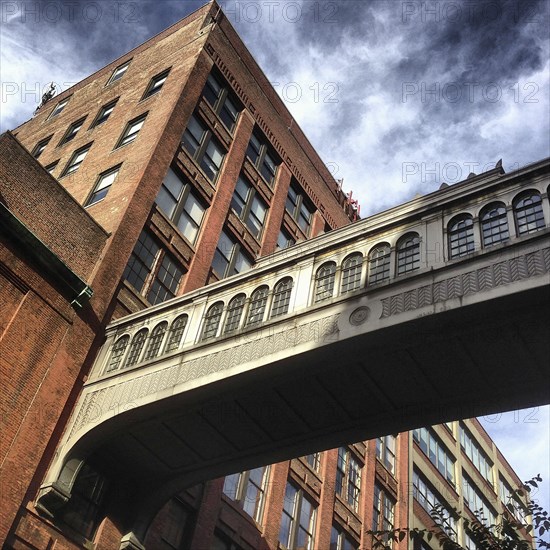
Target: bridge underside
470	361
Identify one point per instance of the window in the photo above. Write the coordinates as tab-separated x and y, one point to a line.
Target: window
262	157
212	321
223	542
528	213
104	113
383	512
136	347
281	297
297	205
177	526
59	107
117	353
494	224
152	271
429	500
248	490
298	521
155	340
40	146
512	502
460	233
82	512
351	273
234	313
177	328
203	147
324	281
76	160
284	240
229	259
258	301
476	454
177	200
222	103
102	186
379	264
340	540
385	451
314	460
118	73
437	453
248	205
131	131
348	477
476	502
156	84
408	253
70	134
51	167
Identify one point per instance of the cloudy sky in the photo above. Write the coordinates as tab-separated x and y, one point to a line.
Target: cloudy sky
397	96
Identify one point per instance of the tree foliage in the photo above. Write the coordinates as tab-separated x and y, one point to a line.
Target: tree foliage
506	534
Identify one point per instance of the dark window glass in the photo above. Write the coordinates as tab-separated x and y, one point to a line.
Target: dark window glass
40	146
177	328
102	186
212	321
136	347
494	224
104	113
229	258
117	353
324	282
250	208
281	297
72	131
298	520
379	264
248	490
351	273
528	213
262	157
234	313
297	205
157	82
131	131
118	73
155	341
284	240
76	160
221	101
408	253
258	301
460	233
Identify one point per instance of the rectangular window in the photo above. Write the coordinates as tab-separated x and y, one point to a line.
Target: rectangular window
76	160
284	240
476	502
131	131
178	201
512	501
248	205
222	101
203	147
476	454
118	73
104	113
156	84
299	207
298	520
262	157
314	461
437	453
248	490
59	107
383	512
229	257
103	185
51	167
70	134
152	271
40	146
429	500
341	540
385	451
348	477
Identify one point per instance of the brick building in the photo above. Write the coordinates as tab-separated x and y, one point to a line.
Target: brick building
173	167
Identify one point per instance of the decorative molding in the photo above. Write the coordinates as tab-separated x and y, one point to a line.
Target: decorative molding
119	396
485	278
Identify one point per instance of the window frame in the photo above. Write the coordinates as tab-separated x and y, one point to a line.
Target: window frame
100	190
59	107
38	149
264	150
246	214
460	236
243	482
237	252
381	504
119	72
379	271
155	341
234	313
488	224
153	88
135	349
224	95
100	118
325	282
284	235
200	152
407	253
295	517
353	272
176	333
212	321
71	162
348	478
302	201
128	133
532	209
72	131
257	306
433	448
386	453
280	300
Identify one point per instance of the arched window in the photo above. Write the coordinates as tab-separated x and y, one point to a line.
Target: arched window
408	253
175	334
212	321
118	353
460	233
135	348
155	340
379	264
494	224
324	282
234	313
351	273
281	297
528	212
258	301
